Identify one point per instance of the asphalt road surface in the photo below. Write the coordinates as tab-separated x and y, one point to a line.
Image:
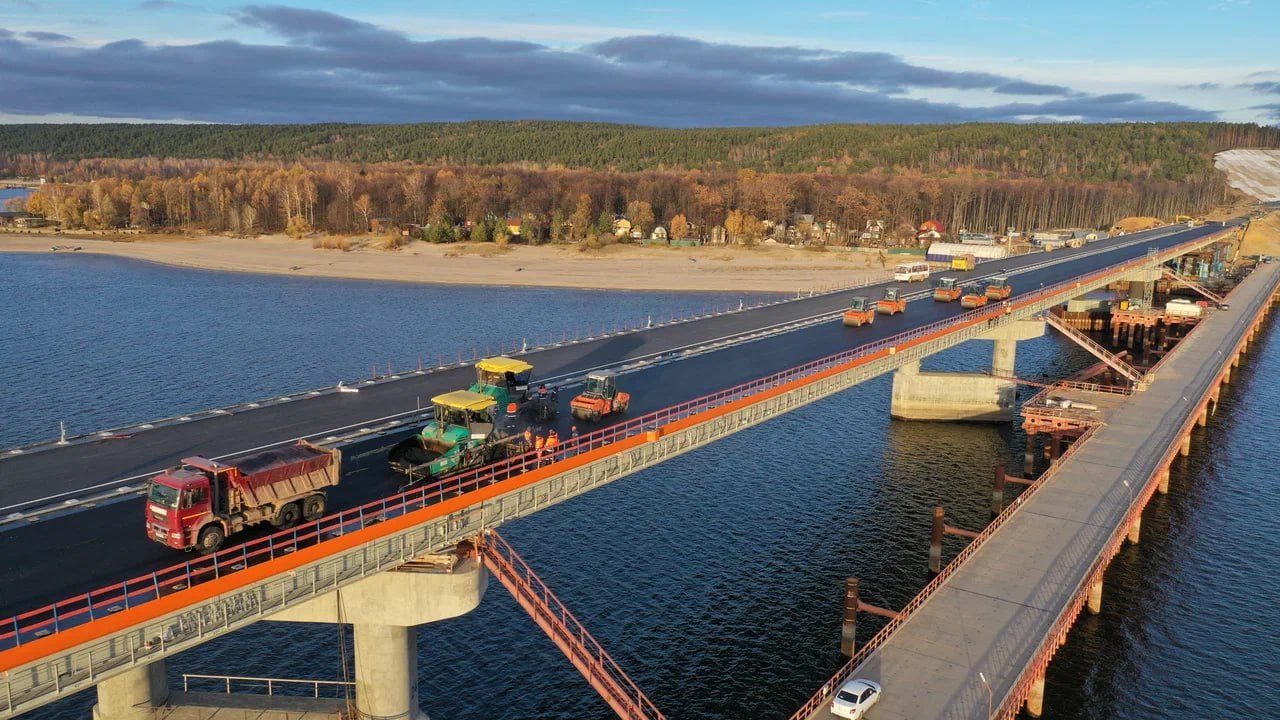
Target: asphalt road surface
80	551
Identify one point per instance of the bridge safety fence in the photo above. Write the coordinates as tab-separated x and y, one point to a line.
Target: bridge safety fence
881	637
89	606
1147	473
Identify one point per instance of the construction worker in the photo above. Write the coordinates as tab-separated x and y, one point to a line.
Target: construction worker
539	446
552	441
509	422
528	439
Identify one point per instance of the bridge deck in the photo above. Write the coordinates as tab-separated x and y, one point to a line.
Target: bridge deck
992	614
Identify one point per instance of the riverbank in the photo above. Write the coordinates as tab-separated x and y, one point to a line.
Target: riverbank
616	267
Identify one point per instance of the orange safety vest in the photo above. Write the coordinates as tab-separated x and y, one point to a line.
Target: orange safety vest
539	443
528	438
551	441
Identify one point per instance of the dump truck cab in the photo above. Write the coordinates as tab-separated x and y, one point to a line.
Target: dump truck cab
600	397
180	499
948	290
999	288
892	302
860	312
964	262
504	379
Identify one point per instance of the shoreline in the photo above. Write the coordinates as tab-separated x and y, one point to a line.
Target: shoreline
762	269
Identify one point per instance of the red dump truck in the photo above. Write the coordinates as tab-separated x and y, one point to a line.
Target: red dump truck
198	504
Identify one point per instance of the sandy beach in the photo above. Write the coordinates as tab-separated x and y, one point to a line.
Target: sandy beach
617	267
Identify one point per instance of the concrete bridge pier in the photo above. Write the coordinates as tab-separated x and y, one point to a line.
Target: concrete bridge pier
1095	598
385	611
386	672
972	397
1162	482
1035	700
132	695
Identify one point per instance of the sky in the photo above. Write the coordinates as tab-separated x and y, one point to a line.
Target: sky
687	64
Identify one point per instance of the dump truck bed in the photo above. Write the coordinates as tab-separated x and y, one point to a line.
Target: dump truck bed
286	472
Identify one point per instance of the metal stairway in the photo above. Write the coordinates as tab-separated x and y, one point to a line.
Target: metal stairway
1216	298
586	654
1092	346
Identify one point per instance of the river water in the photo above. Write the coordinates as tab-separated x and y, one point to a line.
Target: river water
716	578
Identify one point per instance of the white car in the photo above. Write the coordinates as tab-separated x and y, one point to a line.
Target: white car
854	698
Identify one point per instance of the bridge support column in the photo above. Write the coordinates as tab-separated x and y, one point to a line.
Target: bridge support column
1035	700
1004	357
1162	482
1185	449
385	610
1029	459
935	541
997	491
132	695
1226	376
387	672
849	628
964	396
1135	531
1095	598
1203	418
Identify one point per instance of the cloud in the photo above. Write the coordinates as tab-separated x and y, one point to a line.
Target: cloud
48	36
877	70
166	5
328	67
1272	87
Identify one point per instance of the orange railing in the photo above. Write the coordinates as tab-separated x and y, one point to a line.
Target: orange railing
584	651
1057	634
78	610
938	581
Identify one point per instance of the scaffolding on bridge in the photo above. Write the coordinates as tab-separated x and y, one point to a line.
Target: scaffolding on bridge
586	654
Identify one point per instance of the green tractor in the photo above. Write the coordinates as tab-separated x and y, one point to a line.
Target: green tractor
462	436
508	381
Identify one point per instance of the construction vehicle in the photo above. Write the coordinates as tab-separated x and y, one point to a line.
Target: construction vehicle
999	288
964	262
508	380
600	398
948	290
861	312
892	303
463	435
200	503
975	296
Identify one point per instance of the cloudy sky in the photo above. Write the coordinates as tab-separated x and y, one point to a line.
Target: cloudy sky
714	63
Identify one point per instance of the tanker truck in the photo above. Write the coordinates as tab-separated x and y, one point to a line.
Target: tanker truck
200	503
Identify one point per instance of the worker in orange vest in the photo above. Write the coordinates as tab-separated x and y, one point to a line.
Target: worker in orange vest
528	439
553	440
539	445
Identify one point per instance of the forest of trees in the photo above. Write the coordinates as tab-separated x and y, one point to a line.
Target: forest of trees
566	181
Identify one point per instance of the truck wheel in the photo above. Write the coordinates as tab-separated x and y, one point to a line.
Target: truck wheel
289	516
313	507
210	539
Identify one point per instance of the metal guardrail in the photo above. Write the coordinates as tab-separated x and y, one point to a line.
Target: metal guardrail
1154	461
250	685
882	637
118	627
517	347
104	492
